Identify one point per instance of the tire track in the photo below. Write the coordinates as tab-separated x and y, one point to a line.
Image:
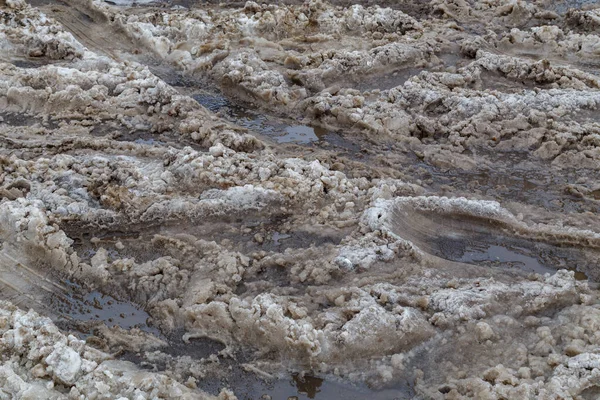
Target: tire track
28	288
92	29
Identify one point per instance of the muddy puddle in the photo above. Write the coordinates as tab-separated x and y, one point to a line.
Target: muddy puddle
447	60
250	386
503	252
277	129
310	387
143	137
66	302
78	305
248	235
488	243
347	145
297	387
511	256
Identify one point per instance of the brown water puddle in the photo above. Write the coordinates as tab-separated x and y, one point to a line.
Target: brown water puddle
280	130
64	301
484	242
79	305
309	387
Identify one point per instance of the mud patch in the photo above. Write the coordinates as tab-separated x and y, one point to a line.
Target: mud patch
340	142
32	62
513	178
309	387
78	306
275	128
464	238
66	302
141	137
301	239
563	6
192	347
133	3
387	81
122	134
18	119
500	82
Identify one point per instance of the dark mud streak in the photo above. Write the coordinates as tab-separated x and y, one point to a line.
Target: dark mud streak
514	177
488	243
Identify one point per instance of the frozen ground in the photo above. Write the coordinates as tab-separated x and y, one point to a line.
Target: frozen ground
321	200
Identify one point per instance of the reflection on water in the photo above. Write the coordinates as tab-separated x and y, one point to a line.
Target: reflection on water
278	237
308	385
482	242
515	257
301	134
95	306
489	250
279	130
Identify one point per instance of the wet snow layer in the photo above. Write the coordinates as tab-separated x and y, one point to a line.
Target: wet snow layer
328	200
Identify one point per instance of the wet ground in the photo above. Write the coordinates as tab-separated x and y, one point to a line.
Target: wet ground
84	306
308	387
530	187
280	130
566	5
486	242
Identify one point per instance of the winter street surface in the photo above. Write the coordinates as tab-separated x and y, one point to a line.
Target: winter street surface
294	200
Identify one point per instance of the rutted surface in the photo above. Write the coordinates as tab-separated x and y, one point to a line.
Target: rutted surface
487	241
321	200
